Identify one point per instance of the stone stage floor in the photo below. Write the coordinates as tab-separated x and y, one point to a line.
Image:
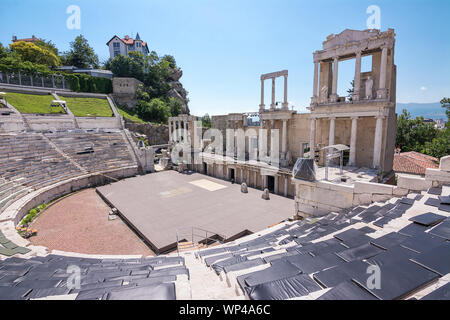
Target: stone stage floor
157	205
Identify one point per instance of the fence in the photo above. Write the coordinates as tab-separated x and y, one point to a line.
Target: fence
55	81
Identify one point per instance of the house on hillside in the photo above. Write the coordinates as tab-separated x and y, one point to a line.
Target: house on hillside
414	163
126	45
32	39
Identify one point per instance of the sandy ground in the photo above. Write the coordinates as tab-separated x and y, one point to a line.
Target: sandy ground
79	223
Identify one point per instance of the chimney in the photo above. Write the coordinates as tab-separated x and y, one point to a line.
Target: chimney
14	39
126	37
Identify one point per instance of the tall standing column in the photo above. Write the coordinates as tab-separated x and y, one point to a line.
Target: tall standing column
175	135
334	95
242	176
352	160
170	131
357	80
285	186
377	142
272	105
331	136
262	106
381	93
314	98
285	102
180	133
284	138
312	138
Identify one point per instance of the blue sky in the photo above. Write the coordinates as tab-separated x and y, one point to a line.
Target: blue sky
224	46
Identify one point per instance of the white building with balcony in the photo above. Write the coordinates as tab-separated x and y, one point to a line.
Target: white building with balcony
126	45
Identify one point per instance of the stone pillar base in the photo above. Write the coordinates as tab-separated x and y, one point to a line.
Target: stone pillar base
355	96
273	106
381	94
334	98
261	107
285	106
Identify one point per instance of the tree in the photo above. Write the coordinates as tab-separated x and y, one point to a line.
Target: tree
28	51
47	45
445	103
133	65
155	110
351	90
206	121
175	107
81	55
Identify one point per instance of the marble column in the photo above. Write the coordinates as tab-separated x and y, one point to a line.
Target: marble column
275	187
334	95
272	105
285	186
377	142
170	131
175	135
242	175
180	133
261	106
357	80
381	93
332	127
285	102
284	138
312	138
352	160
316	83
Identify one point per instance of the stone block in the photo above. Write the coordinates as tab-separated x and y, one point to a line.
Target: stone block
445	164
437	175
413	183
400	191
362	198
381	197
371	187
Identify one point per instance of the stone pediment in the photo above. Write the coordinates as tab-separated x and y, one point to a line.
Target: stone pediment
348	36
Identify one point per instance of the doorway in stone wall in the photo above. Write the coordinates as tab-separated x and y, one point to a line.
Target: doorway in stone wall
271	183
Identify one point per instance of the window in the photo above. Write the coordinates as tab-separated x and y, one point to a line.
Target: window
366	63
116	53
138	45
116	45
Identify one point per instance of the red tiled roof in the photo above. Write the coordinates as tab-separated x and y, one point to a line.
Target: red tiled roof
414	162
128	41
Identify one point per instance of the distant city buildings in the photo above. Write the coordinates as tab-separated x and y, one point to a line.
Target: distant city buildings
126	45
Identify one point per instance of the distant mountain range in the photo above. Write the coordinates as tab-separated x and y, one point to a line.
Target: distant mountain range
426	110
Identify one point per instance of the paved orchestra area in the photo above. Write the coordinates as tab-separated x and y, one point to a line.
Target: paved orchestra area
156	205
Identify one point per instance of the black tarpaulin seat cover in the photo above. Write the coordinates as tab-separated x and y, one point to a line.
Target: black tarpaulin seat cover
244	265
436	259
398	280
347	291
278	270
164	291
219	266
428	219
442	230
296	286
442	293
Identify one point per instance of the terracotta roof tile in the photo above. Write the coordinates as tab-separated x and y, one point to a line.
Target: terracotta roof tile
414	162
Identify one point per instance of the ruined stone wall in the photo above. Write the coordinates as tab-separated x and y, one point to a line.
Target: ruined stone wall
156	134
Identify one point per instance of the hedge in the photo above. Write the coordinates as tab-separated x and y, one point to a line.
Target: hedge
77	82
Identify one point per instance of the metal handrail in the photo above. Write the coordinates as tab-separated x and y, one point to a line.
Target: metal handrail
192	232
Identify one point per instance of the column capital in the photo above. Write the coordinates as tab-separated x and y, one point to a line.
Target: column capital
332	118
380	117
354	117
